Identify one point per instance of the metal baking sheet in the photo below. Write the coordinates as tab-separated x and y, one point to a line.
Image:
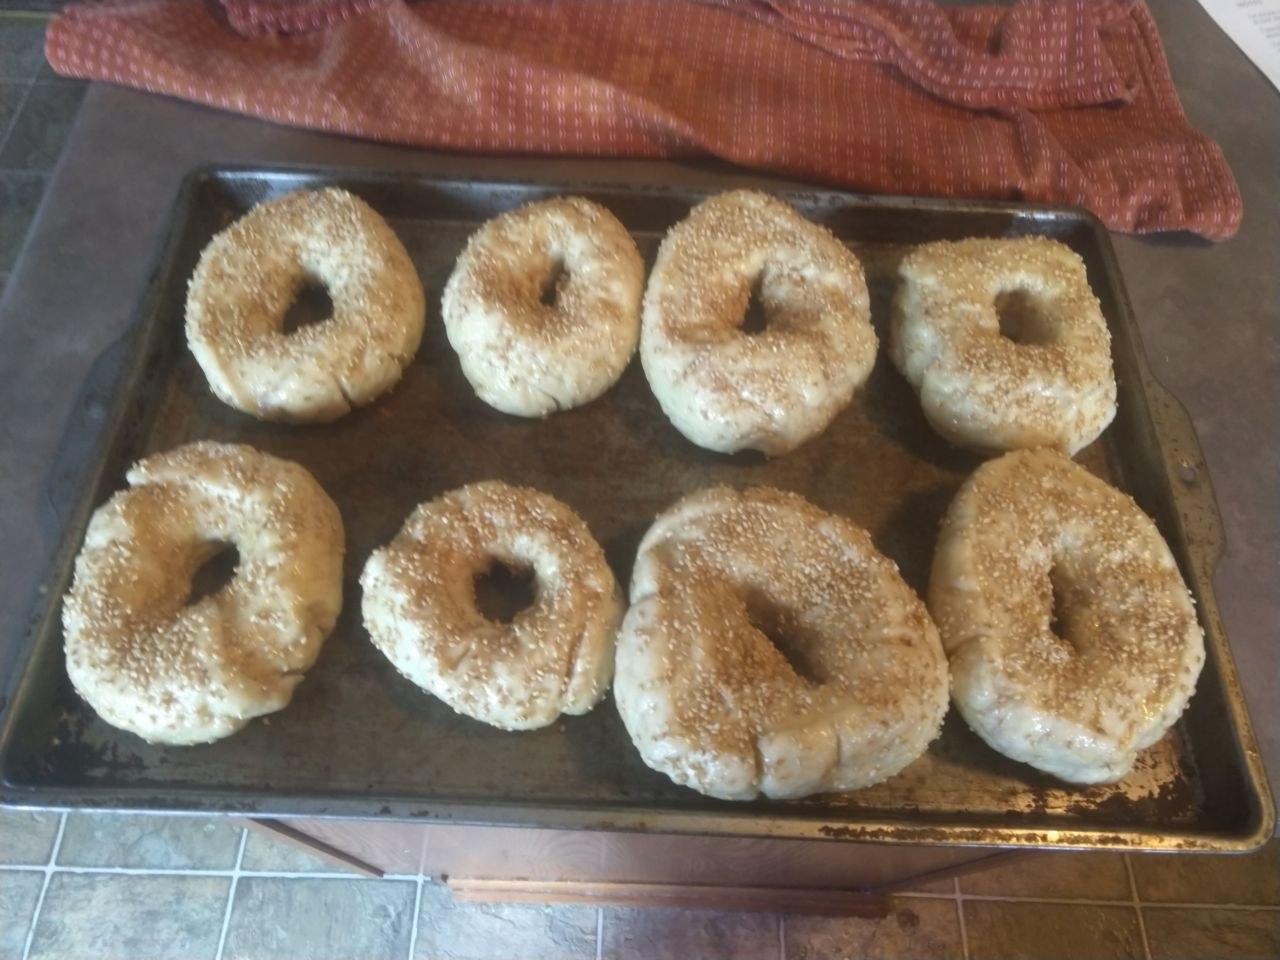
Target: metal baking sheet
361	741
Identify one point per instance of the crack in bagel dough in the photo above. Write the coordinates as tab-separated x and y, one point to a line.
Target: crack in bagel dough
1032	542
712	702
543	306
420	606
981	388
251	273
175	672
726	389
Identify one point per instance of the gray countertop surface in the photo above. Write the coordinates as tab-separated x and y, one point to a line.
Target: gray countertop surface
1210	313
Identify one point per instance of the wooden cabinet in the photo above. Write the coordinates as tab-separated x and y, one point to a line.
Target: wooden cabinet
512	863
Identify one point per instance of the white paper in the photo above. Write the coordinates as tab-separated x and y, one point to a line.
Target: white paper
1254	25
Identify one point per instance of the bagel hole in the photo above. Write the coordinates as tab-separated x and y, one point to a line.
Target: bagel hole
756	319
1058	616
311	305
504	591
215	573
553	284
788	637
1023	318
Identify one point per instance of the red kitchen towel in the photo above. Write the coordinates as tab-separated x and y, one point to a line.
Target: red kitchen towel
1066	101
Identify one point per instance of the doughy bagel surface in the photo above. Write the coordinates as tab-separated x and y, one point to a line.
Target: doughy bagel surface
420	606
1080	697
250	274
727	390
712	702
523	355
179	673
979	388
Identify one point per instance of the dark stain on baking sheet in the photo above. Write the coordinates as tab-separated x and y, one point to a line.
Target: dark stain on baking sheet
361	740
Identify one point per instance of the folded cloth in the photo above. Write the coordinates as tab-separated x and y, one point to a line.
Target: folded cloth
1064	102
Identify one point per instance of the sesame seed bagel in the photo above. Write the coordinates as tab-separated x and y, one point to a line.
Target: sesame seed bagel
251	273
1030	538
176	672
522	354
728	390
709	698
420	609
1049	383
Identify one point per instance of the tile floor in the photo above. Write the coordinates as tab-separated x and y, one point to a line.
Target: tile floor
108	886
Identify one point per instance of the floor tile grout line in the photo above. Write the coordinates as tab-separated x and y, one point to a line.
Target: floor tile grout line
599	933
1137	908
231	893
964	933
782	936
44	887
417	912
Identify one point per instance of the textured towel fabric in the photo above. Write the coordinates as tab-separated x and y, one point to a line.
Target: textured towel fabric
1065	102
